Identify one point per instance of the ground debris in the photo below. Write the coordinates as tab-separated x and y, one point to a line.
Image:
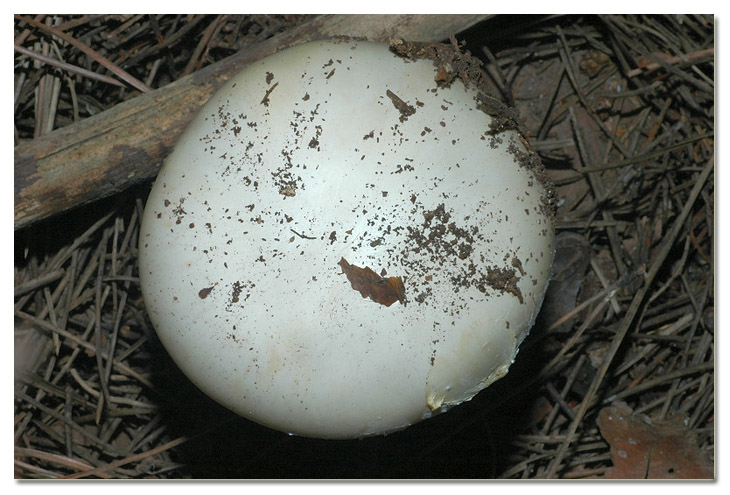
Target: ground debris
642	449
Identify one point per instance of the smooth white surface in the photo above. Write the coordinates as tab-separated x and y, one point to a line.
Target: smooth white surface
303	159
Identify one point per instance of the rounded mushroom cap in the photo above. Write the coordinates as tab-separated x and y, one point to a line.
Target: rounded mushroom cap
338	247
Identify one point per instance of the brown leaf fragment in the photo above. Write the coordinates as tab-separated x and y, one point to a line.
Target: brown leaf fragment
642	449
382	290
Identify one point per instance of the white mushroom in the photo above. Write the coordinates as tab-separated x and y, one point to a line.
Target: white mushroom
340	247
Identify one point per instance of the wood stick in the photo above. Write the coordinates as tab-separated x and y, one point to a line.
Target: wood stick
124	145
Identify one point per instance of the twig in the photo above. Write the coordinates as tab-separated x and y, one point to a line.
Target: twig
36	283
210	32
302	235
67	67
685	59
647	156
649	384
60	460
127	460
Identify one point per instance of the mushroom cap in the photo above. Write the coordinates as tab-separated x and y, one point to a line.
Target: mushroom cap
338	247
